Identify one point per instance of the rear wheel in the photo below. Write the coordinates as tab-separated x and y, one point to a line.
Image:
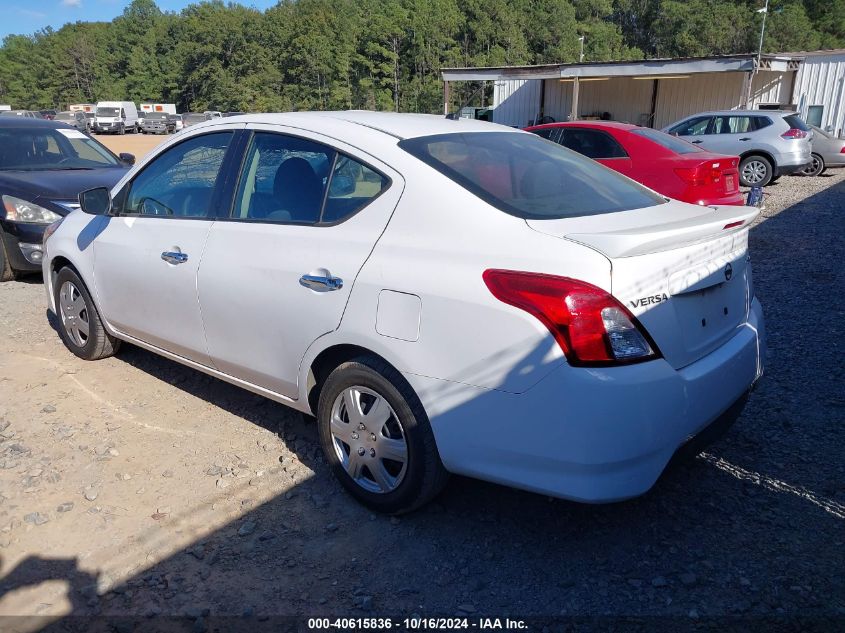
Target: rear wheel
815	168
755	171
80	327
377	437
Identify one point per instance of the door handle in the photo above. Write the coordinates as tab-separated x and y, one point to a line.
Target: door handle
322	283
697	141
174	257
745	138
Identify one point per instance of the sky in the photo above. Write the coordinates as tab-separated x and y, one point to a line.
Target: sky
24	17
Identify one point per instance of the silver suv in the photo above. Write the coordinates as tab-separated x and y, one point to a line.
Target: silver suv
770	143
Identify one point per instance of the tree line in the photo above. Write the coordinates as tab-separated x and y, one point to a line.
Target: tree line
373	54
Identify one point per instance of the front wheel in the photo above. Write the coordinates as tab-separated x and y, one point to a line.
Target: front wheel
815	168
755	171
80	327
377	437
6	272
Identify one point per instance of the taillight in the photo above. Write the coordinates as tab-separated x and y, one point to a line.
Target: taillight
591	327
702	175
794	132
842	151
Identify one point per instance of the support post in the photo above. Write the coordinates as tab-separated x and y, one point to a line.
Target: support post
573	115
445	97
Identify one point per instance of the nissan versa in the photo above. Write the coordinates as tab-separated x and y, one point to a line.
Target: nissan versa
444	296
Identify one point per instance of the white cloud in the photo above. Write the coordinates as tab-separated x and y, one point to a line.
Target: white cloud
72	3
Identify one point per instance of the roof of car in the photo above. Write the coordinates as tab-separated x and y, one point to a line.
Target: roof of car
401	126
618	125
27	122
742	113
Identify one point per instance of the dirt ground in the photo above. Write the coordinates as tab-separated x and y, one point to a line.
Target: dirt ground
137	144
135	486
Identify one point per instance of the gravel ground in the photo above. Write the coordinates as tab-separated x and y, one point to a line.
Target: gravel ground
134	486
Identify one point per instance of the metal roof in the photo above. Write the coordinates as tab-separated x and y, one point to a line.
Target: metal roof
626	68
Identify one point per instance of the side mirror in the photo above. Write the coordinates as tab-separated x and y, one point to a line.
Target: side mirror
96	201
127	158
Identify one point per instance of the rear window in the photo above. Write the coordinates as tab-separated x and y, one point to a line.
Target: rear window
672	143
525	176
793	120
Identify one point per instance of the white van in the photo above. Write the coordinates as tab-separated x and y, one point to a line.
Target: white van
116	117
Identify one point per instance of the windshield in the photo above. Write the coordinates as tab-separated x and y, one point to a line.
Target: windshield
46	149
672	143
529	177
108	111
157	116
195	118
65	116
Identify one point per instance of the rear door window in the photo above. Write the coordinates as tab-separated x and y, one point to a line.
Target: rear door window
732	125
595	144
525	176
288	179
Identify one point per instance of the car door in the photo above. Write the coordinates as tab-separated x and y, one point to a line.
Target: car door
729	134
147	255
276	276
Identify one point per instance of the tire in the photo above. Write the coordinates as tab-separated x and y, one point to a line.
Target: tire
400	486
122	130
755	171
6	272
97	343
815	168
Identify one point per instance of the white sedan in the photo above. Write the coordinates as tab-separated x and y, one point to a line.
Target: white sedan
444	296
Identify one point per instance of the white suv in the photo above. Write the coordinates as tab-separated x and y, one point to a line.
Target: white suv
444	296
770	143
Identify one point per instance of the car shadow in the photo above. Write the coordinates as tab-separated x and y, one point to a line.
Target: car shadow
753	529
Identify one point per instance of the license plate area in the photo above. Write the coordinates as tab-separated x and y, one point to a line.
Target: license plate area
730	183
709	316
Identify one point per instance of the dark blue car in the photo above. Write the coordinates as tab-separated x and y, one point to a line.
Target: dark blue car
44	165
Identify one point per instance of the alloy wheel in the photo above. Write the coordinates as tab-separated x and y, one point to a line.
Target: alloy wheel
754	171
369	439
74	313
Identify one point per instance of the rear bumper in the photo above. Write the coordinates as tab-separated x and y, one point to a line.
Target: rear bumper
23	245
785	170
736	199
593	435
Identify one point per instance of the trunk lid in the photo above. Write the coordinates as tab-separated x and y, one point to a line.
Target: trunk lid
709	173
681	269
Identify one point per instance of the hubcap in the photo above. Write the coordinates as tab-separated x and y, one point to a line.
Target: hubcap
754	171
369	439
74	314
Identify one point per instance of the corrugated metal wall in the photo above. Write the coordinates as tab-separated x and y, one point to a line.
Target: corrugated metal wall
626	99
677	98
516	101
821	82
772	87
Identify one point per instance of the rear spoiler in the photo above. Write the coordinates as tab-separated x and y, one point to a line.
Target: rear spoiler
666	236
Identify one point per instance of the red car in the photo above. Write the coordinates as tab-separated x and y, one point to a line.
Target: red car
665	163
